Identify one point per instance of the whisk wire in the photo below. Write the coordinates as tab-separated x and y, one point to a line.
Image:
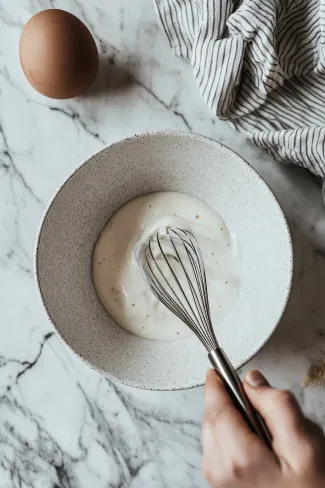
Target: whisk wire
160	292
203	323
173	273
201	278
193	307
193	252
199	273
191	286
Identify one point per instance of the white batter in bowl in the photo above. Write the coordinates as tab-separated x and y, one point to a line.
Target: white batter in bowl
116	273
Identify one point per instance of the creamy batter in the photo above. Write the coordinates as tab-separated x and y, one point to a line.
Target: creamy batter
118	279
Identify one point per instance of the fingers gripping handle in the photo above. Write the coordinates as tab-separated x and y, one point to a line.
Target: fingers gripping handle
223	367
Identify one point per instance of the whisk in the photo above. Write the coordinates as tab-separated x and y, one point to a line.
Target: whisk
172	266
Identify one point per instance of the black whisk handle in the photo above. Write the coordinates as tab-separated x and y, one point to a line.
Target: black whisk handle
223	367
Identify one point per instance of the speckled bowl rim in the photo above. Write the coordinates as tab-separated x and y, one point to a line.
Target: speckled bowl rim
163	133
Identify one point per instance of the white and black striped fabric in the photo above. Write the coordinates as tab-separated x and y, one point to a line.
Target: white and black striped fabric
260	64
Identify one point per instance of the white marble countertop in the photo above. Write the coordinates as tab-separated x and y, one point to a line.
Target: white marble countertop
62	425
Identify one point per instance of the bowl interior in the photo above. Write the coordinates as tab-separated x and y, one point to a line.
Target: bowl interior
170	161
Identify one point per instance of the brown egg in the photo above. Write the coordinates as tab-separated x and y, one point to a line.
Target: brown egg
58	54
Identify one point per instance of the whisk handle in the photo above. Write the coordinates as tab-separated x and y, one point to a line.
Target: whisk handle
223	367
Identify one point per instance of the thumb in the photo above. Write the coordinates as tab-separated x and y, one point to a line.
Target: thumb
280	411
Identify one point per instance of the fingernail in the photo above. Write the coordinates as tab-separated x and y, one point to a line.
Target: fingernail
255	379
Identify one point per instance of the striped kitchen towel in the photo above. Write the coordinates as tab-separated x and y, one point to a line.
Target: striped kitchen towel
259	64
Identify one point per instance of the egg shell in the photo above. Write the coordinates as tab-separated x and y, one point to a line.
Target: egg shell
58	54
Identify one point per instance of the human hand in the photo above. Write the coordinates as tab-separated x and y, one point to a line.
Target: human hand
234	457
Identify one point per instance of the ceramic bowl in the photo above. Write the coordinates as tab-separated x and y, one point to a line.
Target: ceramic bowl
165	161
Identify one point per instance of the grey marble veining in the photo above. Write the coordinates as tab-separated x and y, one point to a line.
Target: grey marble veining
61	424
